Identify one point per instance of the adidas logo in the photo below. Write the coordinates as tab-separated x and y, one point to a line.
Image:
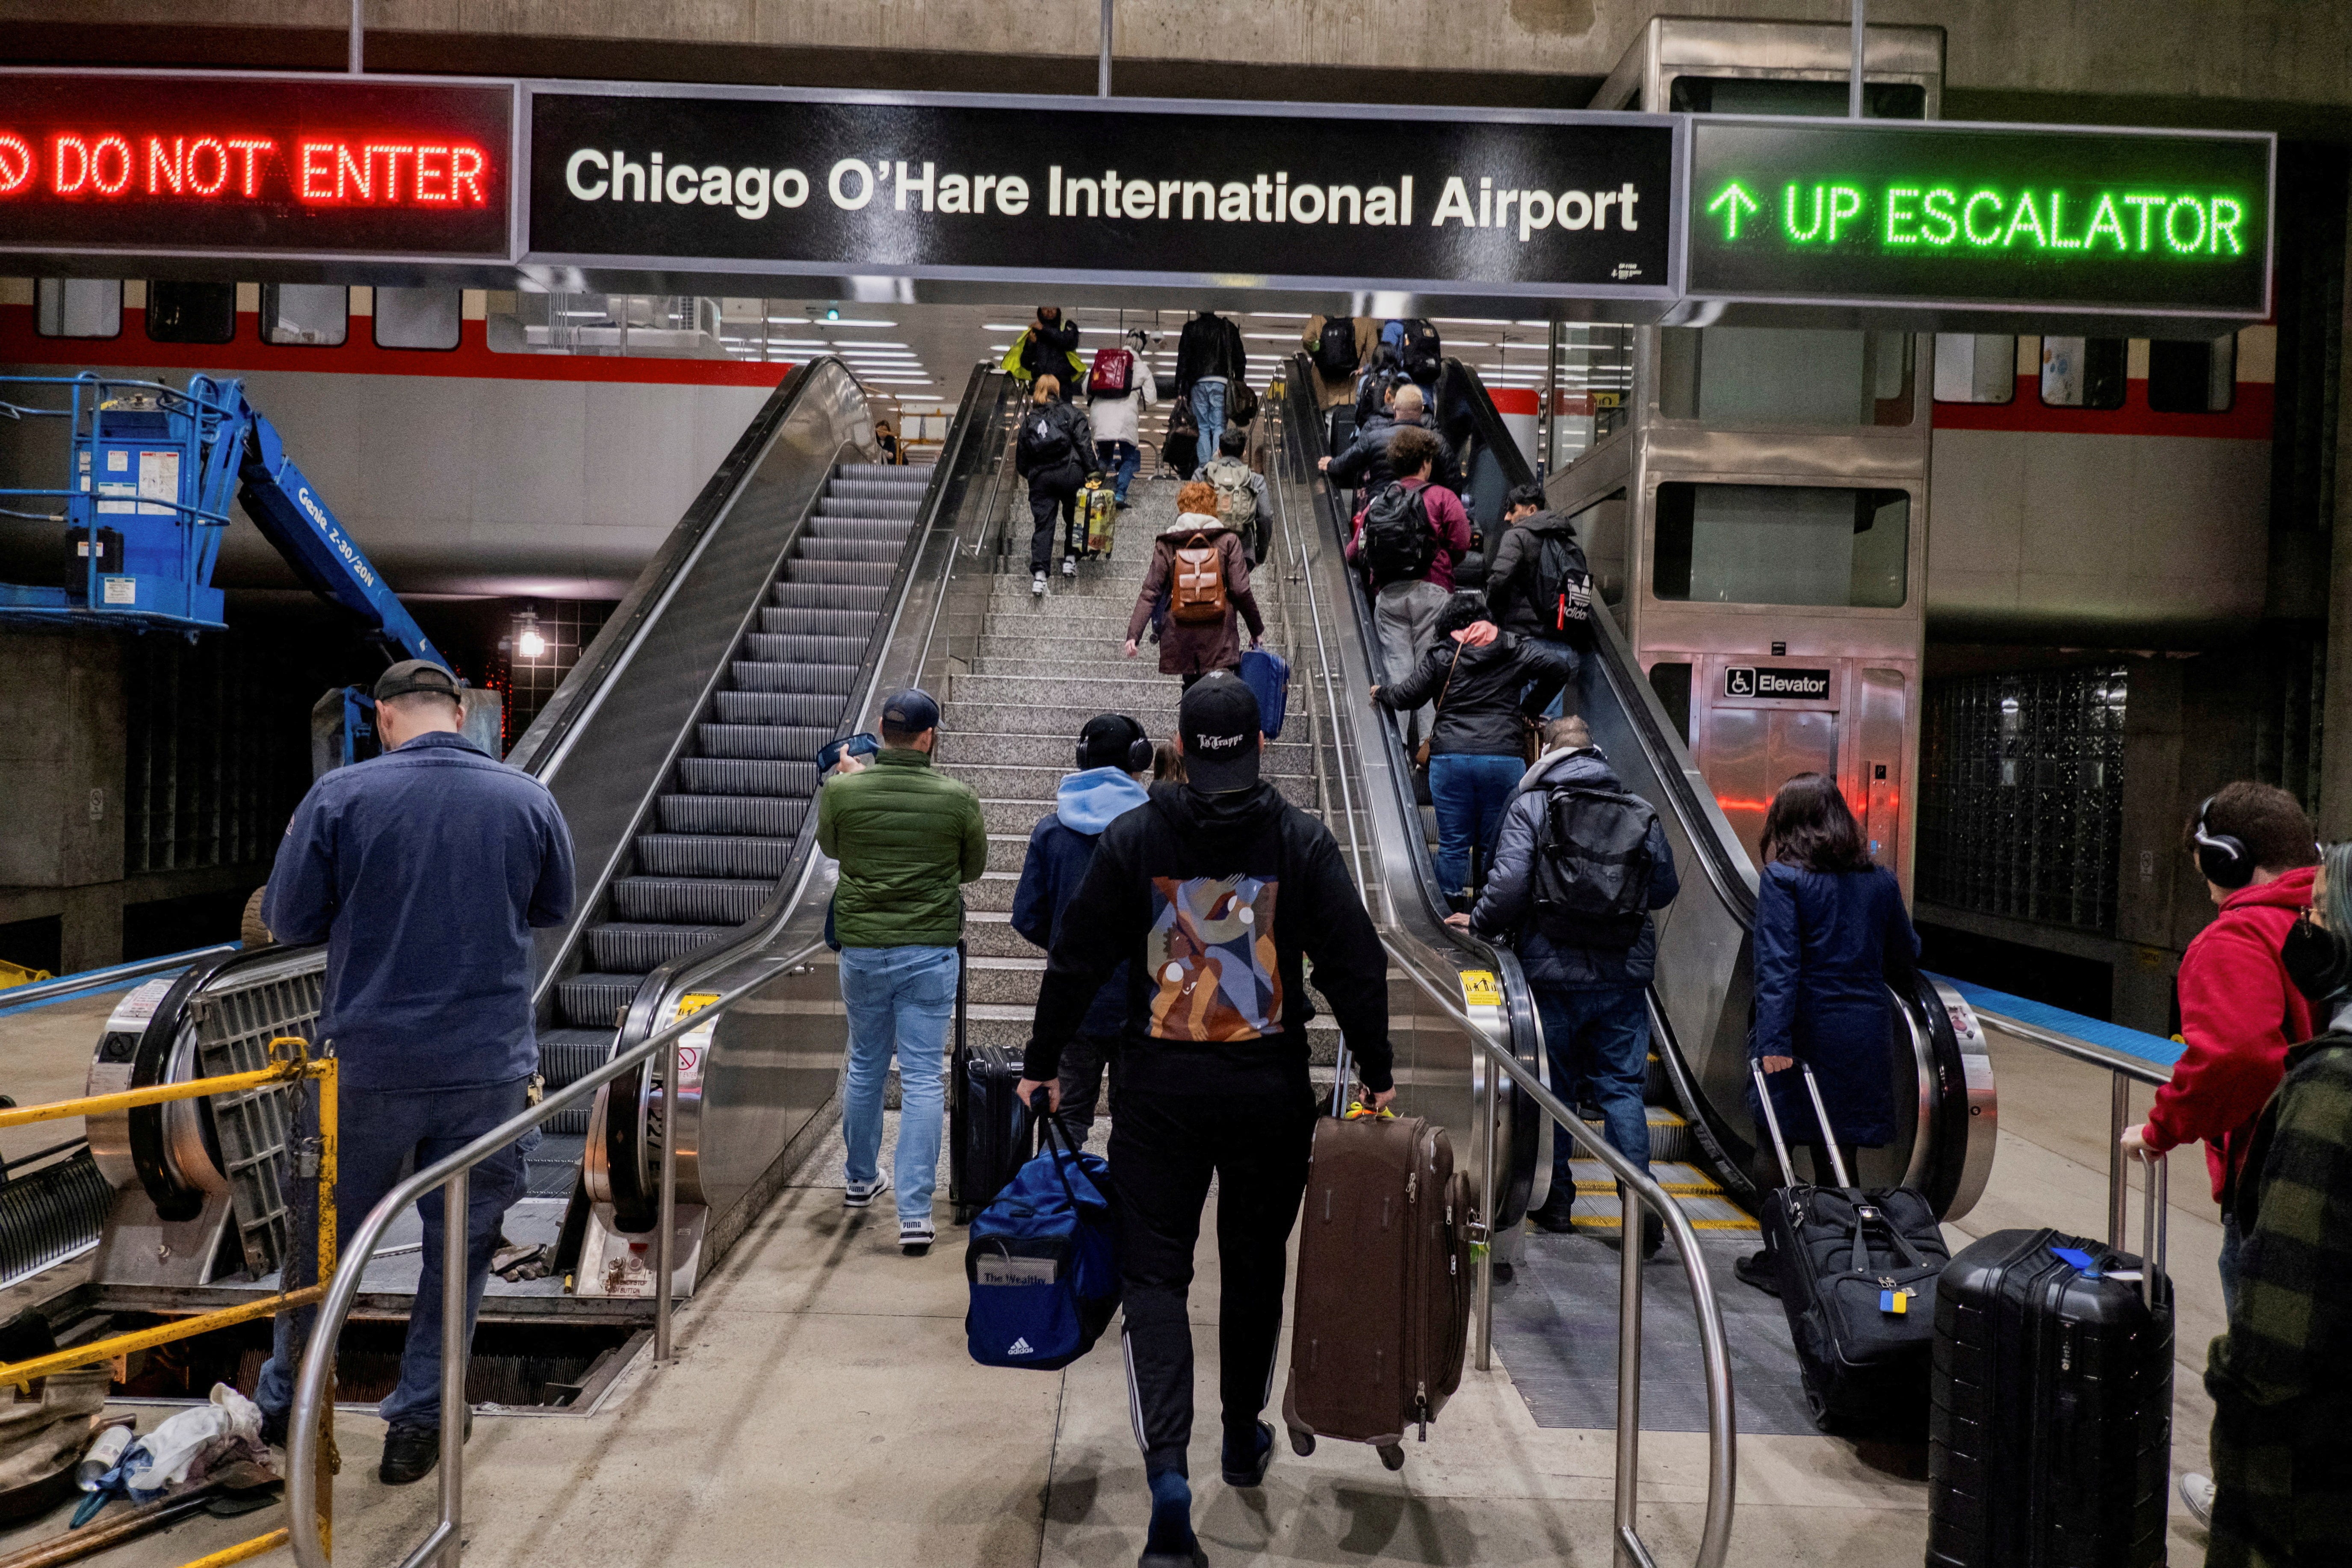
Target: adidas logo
1019	1347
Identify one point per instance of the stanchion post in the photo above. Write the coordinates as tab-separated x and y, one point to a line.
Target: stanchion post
1629	1371
2118	1170
666	1247
323	1197
456	1342
1490	1094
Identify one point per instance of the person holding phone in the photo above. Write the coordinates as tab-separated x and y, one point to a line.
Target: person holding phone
907	836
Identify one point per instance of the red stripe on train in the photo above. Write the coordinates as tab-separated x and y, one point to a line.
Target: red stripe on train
2247	419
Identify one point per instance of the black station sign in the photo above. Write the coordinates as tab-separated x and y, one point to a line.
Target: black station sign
1964	216
225	164
1796	685
1123	190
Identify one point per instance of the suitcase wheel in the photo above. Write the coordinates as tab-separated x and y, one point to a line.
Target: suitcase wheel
964	1213
1302	1442
1392	1456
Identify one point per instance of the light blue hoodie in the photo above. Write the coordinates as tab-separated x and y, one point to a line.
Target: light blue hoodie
1089	802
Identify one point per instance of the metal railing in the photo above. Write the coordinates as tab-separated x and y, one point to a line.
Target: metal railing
1639	1189
309	1486
41	991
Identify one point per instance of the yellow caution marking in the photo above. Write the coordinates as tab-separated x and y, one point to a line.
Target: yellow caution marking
1481	989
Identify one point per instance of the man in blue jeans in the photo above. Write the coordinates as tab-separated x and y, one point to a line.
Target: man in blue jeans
1591	983
424	871
907	837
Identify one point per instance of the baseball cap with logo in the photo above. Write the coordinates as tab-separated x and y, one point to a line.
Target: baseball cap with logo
412	675
1218	721
911	712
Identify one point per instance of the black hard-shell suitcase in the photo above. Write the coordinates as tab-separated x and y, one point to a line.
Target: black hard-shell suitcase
991	1135
1858	1270
2050	1427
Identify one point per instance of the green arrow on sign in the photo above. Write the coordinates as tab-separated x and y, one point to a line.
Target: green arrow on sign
1733	203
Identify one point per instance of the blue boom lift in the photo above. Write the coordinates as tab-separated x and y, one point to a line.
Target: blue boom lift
151	469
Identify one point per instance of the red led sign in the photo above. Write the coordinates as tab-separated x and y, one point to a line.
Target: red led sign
255	165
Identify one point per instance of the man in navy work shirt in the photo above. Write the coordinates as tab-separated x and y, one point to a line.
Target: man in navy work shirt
423	870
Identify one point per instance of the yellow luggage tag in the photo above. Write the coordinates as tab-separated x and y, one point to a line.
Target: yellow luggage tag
1895	1303
1357	1111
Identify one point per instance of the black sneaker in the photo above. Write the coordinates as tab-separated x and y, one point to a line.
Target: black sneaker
1554	1216
1242	1470
411	1452
1653	1235
1758	1269
273	1427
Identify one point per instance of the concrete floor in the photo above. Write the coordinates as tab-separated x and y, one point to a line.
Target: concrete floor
824	1411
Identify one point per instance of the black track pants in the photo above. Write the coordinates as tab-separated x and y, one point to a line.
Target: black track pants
1163	1150
1046	507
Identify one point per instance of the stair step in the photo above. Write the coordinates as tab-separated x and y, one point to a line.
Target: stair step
738	775
769	743
811	709
814	622
712	855
626	947
803	648
592	1000
706	901
769	816
808	594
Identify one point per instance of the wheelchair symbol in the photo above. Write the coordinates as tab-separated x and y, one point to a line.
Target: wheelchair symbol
1740	682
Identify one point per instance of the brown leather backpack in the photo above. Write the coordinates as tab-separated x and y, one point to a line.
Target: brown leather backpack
1198	598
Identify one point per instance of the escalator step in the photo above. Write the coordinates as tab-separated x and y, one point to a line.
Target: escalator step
857	506
867	489
772	742
874	574
845	549
915	474
704	900
773	647
739	775
623	948
817	709
859	528
567	1056
589	1001
806	593
832	679
812	622
772	817
712	855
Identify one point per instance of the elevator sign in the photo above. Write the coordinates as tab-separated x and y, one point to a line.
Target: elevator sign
231	165
1797	685
1965	215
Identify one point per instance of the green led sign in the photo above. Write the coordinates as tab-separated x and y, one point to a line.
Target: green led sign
1968	216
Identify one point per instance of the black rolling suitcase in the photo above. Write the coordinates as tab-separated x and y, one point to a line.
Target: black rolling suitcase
1858	1270
991	1135
2050	1432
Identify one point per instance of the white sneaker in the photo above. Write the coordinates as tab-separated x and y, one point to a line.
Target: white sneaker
1069	566
2196	1491
915	1236
853	1196
1038	586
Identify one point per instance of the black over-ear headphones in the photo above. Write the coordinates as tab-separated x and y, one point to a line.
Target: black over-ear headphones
2222	857
1138	747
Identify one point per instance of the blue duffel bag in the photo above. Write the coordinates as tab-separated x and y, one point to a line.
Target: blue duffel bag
1043	1261
1267	675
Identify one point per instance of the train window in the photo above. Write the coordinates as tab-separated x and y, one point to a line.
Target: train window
1976	367
1672	681
2083	373
1784	376
78	307
2198	375
1782	544
315	315
191	312
418	318
1760	95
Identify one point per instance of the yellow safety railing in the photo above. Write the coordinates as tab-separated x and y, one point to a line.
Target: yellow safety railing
290	1063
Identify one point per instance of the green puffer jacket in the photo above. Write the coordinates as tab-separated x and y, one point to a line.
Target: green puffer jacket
906	835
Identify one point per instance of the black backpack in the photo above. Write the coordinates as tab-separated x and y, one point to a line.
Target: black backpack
1421	354
1559	587
1592	868
1398	544
1045	439
1335	349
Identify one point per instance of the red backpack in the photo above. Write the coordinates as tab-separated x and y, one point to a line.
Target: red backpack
1113	374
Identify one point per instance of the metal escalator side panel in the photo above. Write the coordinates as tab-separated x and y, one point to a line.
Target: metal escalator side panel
1966	1098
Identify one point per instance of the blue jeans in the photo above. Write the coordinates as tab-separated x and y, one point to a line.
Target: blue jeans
1208	413
1470	792
1599	1040
377	1130
900	999
1119	459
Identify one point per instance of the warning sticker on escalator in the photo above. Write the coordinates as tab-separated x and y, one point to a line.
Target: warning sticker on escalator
1481	989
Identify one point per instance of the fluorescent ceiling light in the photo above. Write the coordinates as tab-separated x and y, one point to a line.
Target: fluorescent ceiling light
1281	315
844	322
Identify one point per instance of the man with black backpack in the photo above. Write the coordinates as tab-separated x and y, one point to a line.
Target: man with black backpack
1367	461
1407	539
1210	358
1579	867
1054	452
1338	347
1538	584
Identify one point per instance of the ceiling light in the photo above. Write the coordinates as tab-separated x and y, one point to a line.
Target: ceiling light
833	318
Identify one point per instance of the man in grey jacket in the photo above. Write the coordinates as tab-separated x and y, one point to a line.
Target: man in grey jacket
1590	991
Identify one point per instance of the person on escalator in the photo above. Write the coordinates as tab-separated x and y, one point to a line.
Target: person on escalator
1487	686
1054	452
1538	584
424	871
1368	463
1831	934
1215	897
1590	959
1406	540
1047	346
1113	757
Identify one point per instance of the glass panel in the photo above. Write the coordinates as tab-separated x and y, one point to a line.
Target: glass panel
78	307
1976	367
191	312
1782	544
315	315
1601	529
2083	373
418	318
1785	375
1595	372
1753	95
2195	376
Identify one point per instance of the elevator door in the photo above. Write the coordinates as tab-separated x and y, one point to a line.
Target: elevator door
1747	753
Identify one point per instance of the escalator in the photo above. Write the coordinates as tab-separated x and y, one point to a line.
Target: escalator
682	751
1700	1002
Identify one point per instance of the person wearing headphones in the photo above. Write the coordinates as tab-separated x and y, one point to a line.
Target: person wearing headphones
2238	1009
1114	758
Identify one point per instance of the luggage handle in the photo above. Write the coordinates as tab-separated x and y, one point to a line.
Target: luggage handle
2155	1222
1345	1070
1771	1119
1058	1142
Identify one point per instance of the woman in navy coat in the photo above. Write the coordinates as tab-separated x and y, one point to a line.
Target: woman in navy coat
1829	928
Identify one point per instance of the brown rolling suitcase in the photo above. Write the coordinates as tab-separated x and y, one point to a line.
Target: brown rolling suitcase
1382	1310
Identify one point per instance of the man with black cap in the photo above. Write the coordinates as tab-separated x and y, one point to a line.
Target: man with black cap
1211	895
1114	758
907	836
423	870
